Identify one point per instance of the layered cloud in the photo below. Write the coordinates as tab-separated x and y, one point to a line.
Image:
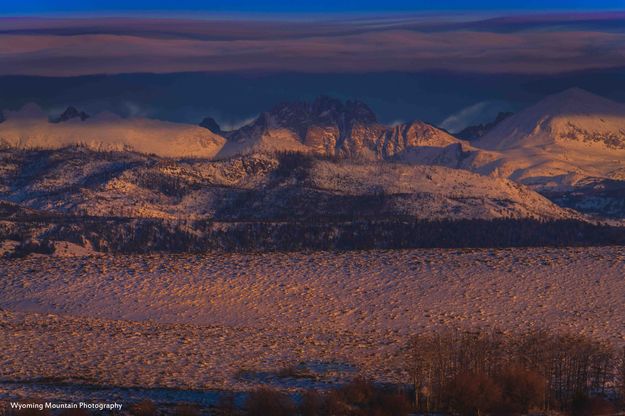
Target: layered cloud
517	44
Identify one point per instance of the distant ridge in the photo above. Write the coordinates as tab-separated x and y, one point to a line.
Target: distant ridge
31	128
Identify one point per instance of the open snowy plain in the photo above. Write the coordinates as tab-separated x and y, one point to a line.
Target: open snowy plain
234	321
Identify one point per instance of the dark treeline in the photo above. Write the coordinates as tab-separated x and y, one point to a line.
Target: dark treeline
148	235
398	234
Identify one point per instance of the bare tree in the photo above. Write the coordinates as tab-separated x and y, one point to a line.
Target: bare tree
538	369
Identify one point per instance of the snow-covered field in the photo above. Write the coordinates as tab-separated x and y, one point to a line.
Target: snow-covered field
233	321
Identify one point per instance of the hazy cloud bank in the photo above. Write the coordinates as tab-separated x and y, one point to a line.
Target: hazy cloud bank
519	44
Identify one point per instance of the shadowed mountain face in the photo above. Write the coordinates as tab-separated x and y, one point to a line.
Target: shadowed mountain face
476	131
210	124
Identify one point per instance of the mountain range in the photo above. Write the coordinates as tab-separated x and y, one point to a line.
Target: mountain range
327	160
573	132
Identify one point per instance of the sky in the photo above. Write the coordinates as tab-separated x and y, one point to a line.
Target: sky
452	62
521	43
85	37
300	6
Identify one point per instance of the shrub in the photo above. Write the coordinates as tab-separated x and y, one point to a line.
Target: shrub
294	371
363	398
522	389
583	405
473	394
186	410
312	404
358	393
34	247
334	404
226	405
389	404
143	408
268	402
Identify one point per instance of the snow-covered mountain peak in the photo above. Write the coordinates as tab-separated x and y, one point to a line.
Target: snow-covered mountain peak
30	128
571	118
577	101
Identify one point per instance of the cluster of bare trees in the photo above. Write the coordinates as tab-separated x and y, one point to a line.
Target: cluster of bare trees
476	373
357	398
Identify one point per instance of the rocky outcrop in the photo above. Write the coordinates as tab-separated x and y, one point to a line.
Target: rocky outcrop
70	113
